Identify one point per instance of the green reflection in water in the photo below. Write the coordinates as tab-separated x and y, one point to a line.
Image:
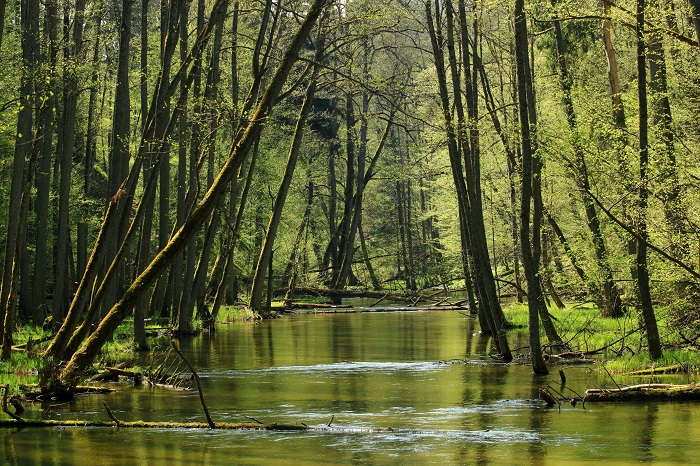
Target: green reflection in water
373	370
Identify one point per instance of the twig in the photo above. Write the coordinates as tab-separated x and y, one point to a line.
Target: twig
253	419
379	300
111	414
616	341
196	379
331	421
611	377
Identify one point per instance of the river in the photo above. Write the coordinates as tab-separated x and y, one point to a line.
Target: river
422	380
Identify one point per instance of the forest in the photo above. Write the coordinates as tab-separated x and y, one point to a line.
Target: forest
163	160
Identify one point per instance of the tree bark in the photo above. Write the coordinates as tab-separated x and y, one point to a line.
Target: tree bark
610	301
29	25
530	261
43	175
645	302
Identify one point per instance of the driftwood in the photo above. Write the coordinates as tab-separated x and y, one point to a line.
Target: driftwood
147	425
674	369
645	392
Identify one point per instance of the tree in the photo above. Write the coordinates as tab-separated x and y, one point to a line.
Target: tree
530	218
645	301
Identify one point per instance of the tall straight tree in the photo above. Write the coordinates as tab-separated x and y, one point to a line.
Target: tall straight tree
29	27
645	302
530	218
66	147
463	151
43	175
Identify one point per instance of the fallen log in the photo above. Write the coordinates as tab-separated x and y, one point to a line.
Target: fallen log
674	369
343	310
645	392
302	305
149	425
313	291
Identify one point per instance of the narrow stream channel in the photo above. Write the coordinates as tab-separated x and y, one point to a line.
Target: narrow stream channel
422	380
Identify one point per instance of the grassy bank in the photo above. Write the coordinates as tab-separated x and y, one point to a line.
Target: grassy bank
620	343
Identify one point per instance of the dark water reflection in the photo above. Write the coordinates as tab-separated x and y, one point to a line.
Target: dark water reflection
371	370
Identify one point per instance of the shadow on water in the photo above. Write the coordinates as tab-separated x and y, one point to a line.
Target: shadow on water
395	388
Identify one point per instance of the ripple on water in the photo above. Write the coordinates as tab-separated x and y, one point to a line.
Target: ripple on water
339	368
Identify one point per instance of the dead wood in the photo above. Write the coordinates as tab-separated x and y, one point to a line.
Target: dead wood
196	379
31	343
674	369
407	308
645	392
302	305
313	291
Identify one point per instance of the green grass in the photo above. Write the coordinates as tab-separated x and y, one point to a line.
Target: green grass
228	314
580	326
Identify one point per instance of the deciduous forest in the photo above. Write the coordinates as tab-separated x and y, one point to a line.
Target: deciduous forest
164	159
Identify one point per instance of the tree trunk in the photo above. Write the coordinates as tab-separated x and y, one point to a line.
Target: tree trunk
652	331
23	147
695	8
140	310
66	147
530	261
43	175
670	189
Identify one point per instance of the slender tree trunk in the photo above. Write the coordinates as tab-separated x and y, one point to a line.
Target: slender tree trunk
212	228
530	262
140	310
3	6
29	24
65	153
652	331
670	189
695	8
42	181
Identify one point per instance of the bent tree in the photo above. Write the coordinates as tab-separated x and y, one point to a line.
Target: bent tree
67	377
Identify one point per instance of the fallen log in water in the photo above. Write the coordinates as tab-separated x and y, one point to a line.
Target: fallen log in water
148	425
645	392
339	310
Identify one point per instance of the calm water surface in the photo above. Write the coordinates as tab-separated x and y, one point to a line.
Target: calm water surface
365	371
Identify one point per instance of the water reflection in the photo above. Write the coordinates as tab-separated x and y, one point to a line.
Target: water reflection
366	371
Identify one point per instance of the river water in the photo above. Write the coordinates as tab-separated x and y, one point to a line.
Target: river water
426	376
